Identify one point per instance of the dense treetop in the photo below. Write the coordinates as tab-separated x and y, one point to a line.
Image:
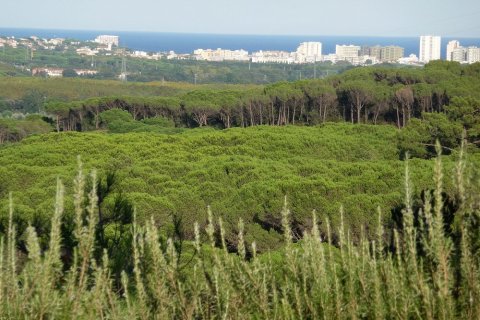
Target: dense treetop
239	172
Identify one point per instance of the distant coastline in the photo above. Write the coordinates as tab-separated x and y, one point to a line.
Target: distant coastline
187	42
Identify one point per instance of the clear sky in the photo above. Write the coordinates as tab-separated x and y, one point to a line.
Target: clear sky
299	17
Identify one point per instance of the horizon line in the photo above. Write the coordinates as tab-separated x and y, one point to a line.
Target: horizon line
238	34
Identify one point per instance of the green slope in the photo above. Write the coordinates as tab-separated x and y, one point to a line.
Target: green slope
241	173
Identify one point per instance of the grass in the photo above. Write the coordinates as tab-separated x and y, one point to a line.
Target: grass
425	272
8	70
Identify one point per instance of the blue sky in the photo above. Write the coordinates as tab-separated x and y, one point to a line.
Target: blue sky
297	17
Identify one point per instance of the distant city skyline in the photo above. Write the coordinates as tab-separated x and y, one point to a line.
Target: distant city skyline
306	52
266	17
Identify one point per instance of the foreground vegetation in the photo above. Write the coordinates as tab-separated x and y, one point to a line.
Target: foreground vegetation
429	269
137	240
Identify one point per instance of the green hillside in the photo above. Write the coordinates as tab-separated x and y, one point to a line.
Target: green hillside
241	173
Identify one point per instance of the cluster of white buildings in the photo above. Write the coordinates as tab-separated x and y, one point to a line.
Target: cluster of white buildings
363	55
307	52
455	52
221	55
109	44
104	43
11	42
58	72
157	56
31	42
310	52
273	57
107	40
430	49
86	51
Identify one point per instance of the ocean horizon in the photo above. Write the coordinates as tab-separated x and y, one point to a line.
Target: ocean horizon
187	42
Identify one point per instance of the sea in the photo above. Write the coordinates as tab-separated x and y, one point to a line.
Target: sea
187	42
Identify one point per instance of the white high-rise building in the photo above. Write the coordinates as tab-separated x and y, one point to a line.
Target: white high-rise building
430	47
452	45
473	54
459	55
310	50
347	52
391	53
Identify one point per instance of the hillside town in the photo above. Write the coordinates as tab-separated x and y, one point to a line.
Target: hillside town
306	53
